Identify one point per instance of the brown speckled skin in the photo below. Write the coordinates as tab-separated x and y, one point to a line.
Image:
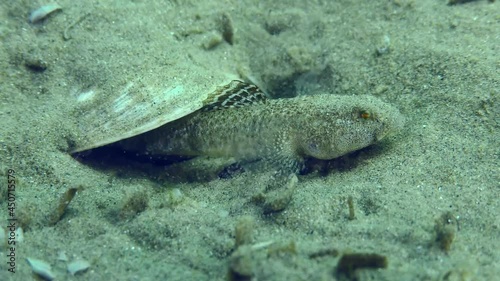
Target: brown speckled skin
282	131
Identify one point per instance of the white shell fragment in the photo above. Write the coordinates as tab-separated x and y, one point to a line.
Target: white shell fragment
41	268
19	234
42	12
78	266
61	256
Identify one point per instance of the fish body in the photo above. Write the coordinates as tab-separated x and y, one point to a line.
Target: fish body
244	124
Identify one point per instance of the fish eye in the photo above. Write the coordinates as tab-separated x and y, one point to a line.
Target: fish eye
364	114
313	146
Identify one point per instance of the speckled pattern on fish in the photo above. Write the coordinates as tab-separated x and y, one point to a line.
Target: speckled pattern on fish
241	122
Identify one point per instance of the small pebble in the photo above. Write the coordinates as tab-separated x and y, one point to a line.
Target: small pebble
35	63
61	256
175	196
211	40
19	234
384	46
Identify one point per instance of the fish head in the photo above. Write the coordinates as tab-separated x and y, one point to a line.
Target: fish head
342	124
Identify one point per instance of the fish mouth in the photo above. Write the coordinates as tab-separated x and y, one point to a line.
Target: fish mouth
379	135
391	124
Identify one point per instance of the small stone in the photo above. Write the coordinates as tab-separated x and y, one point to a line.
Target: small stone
212	40
35	63
175	196
19	234
384	46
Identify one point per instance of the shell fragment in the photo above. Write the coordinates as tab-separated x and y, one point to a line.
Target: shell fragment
78	266
41	268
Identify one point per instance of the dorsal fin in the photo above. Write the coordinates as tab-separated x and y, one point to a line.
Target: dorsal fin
235	94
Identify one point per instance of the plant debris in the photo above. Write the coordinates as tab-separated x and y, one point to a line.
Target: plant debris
349	264
64	201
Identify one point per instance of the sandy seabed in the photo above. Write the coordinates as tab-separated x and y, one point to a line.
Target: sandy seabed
427	198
